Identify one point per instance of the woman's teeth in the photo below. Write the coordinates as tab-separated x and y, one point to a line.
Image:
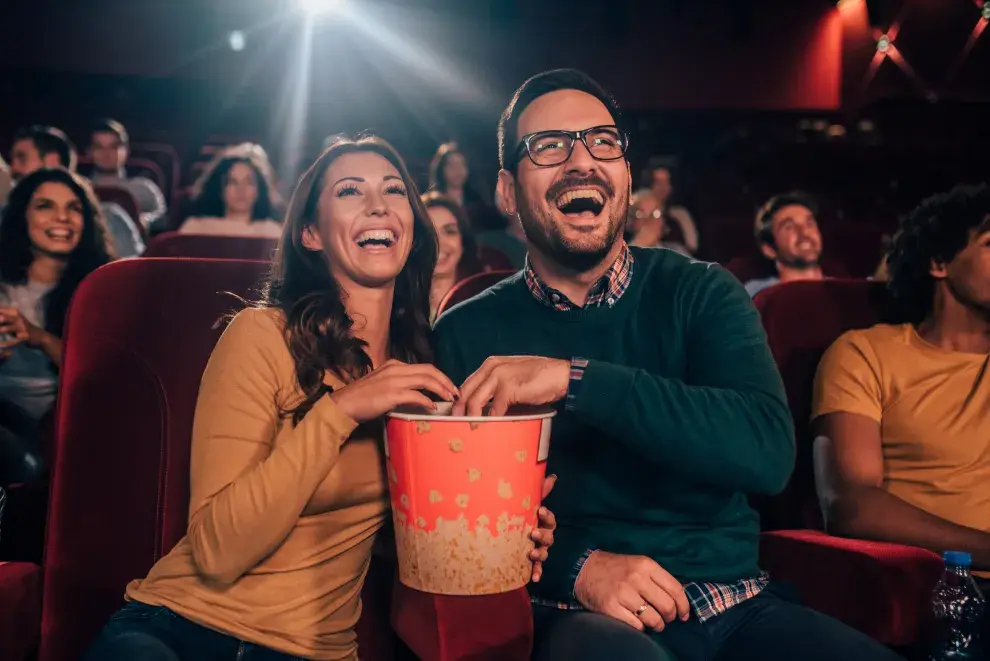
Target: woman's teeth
376	237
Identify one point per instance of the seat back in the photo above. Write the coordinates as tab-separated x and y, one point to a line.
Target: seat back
471	286
126	200
173	244
493	260
802	319
138	337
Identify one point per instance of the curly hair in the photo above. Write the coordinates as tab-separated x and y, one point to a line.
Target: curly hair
207	195
318	329
934	233
17	253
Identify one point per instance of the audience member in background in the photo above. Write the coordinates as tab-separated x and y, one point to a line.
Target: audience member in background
671	409
6	182
287	486
902	412
109	148
52	236
679	230
449	174
44	146
787	234
235	196
458	256
646	224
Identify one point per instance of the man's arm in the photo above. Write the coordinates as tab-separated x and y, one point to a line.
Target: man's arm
727	423
849	474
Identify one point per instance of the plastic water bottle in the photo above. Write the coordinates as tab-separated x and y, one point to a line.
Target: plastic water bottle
958	606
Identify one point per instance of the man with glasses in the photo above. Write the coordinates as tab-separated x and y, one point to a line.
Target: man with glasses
671	409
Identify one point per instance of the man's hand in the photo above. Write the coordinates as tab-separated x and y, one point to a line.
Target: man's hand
631	588
508	380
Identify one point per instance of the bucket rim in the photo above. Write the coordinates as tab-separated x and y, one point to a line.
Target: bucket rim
443	414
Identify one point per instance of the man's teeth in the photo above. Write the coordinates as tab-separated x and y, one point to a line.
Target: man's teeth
580	193
381	236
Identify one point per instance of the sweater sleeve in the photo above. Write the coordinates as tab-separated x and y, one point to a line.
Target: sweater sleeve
727	423
247	492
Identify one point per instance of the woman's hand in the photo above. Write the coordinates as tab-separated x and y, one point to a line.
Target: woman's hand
543	535
393	384
15	329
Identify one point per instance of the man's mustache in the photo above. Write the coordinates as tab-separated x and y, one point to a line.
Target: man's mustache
562	185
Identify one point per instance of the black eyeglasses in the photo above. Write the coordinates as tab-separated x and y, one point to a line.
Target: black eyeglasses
546	148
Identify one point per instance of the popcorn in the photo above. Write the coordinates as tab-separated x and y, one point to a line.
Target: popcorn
474	475
454	559
525	503
392	475
504	489
461	500
520	456
456	445
435	496
422	427
404	500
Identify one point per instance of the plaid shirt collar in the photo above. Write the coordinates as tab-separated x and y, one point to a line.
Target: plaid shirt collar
606	291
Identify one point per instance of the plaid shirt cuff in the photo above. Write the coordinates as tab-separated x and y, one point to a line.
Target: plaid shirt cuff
578	365
578	566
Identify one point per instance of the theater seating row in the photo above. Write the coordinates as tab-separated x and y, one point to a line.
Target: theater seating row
137	341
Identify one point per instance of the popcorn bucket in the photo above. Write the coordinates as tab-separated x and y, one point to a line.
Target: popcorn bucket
465	494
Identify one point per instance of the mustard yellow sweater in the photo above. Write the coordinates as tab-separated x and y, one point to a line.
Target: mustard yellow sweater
281	519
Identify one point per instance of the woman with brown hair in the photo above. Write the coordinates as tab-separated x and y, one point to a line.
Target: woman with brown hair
288	487
236	196
458	254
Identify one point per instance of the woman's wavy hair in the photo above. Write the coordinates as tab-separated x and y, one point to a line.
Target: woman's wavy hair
17	252
318	329
439	162
935	232
470	261
207	194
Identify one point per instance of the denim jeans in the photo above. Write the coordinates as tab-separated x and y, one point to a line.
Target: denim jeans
769	627
155	633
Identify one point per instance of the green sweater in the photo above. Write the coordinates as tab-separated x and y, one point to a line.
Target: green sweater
680	415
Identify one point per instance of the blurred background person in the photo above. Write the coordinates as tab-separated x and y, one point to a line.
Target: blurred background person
236	196
787	234
679	230
646	224
458	255
39	147
52	236
109	147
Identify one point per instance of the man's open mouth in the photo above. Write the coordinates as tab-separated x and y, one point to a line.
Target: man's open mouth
581	202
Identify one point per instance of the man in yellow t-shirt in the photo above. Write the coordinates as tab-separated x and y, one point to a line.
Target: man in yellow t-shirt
902	413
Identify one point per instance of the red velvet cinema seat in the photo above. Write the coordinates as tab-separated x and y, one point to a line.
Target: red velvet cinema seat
138	338
173	244
881	589
20	609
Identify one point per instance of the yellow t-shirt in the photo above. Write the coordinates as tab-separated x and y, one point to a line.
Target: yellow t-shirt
933	406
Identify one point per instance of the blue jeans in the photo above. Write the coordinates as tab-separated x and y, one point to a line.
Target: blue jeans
154	633
769	627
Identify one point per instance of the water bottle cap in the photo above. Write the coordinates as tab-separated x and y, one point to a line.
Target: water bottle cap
958	558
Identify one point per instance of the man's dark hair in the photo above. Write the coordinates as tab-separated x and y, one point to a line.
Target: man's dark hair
111	126
763	228
49	140
534	88
935	232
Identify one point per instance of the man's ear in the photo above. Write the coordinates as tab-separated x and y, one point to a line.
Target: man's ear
768	252
311	238
938	270
505	193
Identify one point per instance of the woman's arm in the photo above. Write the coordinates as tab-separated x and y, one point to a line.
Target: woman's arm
247	493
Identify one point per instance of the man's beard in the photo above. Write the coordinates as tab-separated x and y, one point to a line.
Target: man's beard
799	263
543	230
